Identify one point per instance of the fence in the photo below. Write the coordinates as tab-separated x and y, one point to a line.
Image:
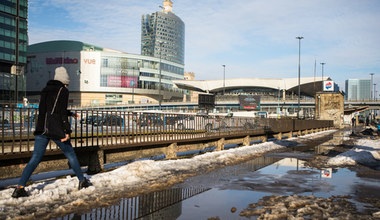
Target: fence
120	128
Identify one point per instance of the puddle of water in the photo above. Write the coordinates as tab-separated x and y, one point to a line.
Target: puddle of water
221	191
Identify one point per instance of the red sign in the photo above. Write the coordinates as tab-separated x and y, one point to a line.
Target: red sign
122	81
59	60
89	61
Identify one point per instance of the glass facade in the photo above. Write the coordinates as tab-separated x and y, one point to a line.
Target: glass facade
13	46
13	31
358	89
125	72
167	28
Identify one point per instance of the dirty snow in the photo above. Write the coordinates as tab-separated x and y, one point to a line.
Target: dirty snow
366	152
58	197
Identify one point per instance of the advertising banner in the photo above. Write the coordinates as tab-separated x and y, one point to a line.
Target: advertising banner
206	101
122	81
249	102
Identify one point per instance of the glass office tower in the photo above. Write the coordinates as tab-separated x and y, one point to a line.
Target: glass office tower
358	89
13	44
165	27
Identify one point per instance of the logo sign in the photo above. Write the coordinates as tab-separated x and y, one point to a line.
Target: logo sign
328	86
89	61
326	173
60	60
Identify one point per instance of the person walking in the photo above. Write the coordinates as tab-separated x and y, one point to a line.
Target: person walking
54	98
353	121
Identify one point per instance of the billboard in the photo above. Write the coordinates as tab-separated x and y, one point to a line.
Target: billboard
249	102
122	81
328	86
206	101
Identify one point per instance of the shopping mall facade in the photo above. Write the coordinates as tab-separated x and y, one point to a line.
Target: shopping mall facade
101	76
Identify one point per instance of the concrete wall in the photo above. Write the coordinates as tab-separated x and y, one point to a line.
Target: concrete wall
330	106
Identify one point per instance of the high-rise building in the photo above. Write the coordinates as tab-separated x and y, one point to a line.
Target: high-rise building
13	44
163	34
358	89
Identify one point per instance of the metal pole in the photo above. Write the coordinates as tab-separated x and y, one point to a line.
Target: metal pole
133	86
224	79
159	82
371	85
278	103
374	90
299	75
322	70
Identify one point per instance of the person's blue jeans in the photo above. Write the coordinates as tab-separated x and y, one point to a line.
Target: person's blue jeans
40	144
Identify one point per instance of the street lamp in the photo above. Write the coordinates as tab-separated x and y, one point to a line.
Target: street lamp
374	90
159	82
299	74
133	85
372	94
322	70
224	79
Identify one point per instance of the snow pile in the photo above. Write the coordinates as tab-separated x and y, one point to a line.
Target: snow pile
58	197
365	152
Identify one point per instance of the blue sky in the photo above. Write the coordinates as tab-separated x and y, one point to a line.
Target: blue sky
253	38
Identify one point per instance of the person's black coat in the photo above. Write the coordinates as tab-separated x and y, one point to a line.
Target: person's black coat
48	96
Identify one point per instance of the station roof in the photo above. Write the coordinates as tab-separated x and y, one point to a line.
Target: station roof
308	85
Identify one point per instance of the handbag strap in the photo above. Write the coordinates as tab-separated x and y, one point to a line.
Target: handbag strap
56	99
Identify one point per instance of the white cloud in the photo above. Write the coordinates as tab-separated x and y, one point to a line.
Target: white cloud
249	36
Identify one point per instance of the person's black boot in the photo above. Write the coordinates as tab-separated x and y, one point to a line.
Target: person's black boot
84	184
19	192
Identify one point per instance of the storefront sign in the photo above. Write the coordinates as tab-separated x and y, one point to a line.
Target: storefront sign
58	60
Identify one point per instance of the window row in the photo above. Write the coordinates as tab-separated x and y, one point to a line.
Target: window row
126	63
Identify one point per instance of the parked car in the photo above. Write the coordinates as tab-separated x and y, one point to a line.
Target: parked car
109	120
201	122
92	119
4	123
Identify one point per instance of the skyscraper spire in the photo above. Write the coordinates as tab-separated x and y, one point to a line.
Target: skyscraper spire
168	6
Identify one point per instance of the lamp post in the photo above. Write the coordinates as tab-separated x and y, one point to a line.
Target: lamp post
374	90
299	74
133	85
372	93
224	79
322	69
159	80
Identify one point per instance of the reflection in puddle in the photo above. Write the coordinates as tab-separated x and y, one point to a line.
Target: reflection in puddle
227	191
144	206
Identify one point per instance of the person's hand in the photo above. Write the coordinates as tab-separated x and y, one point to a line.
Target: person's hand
66	138
75	115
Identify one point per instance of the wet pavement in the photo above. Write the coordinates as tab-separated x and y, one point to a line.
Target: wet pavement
259	185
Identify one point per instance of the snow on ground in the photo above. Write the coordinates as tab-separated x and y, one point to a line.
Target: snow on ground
366	152
58	197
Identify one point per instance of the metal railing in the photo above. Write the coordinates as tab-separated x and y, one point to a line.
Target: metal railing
118	129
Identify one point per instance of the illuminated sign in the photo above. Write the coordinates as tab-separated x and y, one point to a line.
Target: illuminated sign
328	86
249	102
60	60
